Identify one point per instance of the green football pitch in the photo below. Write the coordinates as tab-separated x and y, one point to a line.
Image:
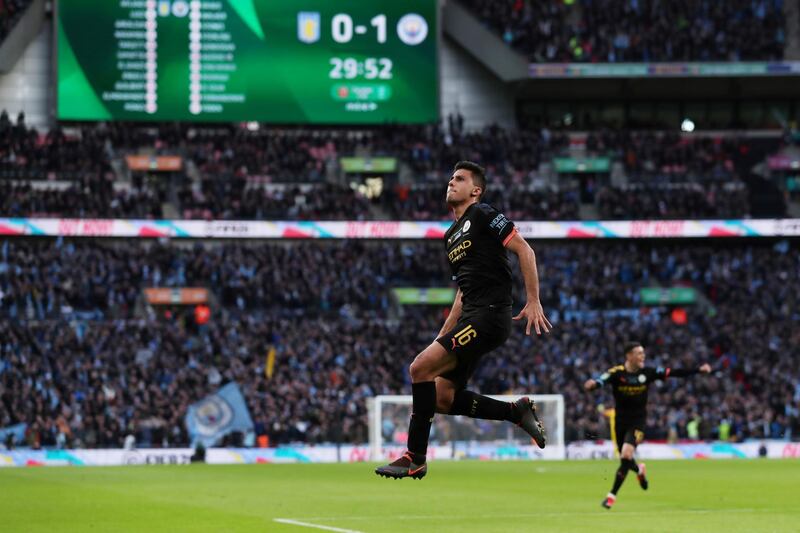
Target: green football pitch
725	495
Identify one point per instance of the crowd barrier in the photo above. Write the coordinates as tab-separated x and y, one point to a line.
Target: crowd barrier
233	229
349	453
772	449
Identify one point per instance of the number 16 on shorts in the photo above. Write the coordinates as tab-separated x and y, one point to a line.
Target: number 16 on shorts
463	337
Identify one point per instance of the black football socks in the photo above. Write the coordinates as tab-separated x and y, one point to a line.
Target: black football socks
473	405
622	471
423	409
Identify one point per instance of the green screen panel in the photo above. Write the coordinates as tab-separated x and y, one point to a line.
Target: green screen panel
290	61
427	296
669	296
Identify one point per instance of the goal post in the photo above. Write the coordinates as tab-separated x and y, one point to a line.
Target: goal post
461	437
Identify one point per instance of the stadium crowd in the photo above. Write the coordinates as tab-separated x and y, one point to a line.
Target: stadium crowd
426	202
84	362
26	153
10	13
98	200
272	173
234	200
681	201
670	156
614	31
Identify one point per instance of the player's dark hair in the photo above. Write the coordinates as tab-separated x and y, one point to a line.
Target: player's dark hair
478	173
629	346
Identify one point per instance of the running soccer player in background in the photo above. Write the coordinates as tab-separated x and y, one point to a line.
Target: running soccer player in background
629	384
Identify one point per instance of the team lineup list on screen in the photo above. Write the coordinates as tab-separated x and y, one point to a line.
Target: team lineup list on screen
309	61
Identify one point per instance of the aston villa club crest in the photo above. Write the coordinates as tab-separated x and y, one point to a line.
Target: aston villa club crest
308	26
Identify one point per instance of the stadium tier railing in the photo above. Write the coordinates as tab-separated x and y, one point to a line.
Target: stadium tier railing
243	229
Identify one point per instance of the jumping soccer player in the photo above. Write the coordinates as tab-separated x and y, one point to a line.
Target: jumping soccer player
630	382
479	321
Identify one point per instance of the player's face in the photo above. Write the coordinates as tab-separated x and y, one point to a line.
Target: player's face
636	357
461	187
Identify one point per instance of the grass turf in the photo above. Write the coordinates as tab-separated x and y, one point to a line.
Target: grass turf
729	496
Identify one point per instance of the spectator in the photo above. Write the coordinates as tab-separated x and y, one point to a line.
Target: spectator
614	31
290	173
83	367
10	13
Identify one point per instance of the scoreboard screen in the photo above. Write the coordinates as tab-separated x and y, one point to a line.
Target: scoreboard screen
278	61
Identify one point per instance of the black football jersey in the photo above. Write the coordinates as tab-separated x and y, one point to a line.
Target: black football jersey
630	388
476	251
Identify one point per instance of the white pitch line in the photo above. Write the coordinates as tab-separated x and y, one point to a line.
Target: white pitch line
315	526
543	514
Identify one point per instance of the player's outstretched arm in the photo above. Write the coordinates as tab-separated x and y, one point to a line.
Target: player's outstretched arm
532	311
705	368
455	314
609	376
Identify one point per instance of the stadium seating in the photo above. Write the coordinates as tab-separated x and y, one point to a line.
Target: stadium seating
10	12
26	153
673	201
274	173
85	362
517	202
612	31
97	200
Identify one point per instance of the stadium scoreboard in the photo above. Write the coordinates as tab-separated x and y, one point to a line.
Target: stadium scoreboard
278	61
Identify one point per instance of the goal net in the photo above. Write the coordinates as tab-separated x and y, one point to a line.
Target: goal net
461	437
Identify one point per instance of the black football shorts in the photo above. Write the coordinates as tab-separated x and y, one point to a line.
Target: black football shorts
630	431
478	332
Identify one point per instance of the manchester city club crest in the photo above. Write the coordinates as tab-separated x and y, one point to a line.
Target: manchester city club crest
180	8
308	26
412	29
213	414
